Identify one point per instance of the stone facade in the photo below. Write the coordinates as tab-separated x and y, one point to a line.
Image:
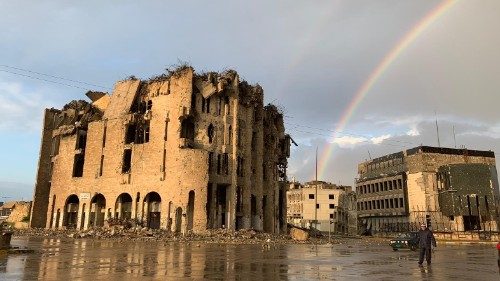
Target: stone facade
398	192
327	203
181	151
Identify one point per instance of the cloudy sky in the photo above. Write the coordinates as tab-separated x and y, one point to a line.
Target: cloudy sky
311	57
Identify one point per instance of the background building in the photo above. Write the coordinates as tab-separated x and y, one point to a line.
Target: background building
449	189
181	151
326	203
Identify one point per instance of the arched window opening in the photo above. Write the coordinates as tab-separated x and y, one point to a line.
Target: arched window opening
153	204
71	211
123	206
190	211
97	210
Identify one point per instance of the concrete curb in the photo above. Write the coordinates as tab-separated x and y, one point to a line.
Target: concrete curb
454	242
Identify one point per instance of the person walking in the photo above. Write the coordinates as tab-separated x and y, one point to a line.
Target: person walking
425	240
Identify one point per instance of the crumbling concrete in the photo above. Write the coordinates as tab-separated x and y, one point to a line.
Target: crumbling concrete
180	151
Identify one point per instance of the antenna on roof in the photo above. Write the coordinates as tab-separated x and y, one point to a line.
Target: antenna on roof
437	129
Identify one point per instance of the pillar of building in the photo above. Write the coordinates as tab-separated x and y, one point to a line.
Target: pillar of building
200	211
54	220
133	209
213	207
79	215
231	205
183	226
87	216
137	208
49	223
246	208
62	217
164	211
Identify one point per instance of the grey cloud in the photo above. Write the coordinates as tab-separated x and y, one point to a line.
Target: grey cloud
343	164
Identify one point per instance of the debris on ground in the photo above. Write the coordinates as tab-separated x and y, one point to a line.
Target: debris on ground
139	233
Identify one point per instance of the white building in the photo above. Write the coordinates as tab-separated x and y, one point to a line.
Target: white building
320	202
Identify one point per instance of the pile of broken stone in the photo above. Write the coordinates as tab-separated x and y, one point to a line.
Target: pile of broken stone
139	233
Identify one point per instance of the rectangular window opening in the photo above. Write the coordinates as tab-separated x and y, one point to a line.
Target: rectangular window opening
78	165
130	133
81	141
127	161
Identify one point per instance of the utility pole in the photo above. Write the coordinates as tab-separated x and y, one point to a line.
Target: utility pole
454	137
437	129
316	194
316	163
329	231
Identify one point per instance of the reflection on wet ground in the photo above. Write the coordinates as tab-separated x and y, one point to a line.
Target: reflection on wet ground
57	259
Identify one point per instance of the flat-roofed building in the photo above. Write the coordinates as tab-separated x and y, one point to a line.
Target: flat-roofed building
321	202
448	189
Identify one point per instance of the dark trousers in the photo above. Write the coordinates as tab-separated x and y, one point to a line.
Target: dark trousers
425	251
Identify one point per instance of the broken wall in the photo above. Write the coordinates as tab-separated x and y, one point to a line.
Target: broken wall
165	173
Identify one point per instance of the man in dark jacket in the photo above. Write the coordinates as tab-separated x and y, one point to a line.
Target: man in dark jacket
425	239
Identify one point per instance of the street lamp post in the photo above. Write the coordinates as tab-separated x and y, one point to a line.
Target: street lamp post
316	206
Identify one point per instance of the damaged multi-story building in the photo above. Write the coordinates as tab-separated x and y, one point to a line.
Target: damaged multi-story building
451	190
322	205
181	151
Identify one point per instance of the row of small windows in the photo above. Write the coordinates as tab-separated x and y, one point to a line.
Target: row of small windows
330	206
223	164
330	196
390	203
384	164
299	215
380	186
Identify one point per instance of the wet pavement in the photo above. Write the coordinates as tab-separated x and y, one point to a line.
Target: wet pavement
354	259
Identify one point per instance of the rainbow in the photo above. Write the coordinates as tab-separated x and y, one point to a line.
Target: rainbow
375	75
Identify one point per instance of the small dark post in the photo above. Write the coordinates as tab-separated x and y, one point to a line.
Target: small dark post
5	237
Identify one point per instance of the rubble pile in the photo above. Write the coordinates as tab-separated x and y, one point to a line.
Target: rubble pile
75	114
139	233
